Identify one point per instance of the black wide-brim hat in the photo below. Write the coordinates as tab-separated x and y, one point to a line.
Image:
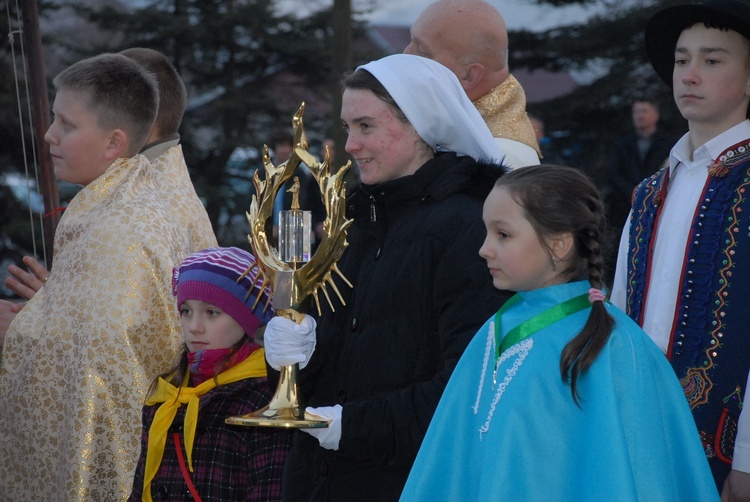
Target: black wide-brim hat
664	28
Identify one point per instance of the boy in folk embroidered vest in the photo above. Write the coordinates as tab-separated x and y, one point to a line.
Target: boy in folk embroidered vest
683	268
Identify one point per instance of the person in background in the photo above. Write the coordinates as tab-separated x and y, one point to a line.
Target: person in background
220	372
683	266
380	361
560	396
78	358
470	38
635	156
548	150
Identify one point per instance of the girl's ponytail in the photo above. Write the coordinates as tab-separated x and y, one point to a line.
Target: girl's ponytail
580	353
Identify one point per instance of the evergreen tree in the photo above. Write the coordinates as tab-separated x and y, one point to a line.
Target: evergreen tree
608	51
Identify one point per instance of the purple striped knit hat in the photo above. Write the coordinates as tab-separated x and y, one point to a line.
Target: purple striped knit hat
212	276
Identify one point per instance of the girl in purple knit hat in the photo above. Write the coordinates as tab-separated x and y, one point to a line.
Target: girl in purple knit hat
186	446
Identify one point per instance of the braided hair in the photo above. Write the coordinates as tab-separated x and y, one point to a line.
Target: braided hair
558	199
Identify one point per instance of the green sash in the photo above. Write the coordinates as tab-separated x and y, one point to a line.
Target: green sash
536	323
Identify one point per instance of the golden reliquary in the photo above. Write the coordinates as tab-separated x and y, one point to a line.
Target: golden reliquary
290	271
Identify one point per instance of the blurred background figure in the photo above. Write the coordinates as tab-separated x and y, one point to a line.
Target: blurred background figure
635	156
550	155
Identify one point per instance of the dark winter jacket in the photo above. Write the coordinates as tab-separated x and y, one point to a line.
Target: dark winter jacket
626	169
421	292
231	462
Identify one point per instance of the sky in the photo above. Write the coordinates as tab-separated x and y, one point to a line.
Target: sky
518	14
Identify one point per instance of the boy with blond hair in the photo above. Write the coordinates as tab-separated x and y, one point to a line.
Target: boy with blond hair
683	270
164	151
78	358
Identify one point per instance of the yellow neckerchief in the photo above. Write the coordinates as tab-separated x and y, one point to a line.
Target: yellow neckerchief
172	398
504	111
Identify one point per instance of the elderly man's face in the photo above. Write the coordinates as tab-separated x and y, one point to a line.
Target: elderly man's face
431	40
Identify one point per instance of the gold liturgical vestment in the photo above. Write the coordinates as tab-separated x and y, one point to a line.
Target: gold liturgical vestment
80	356
172	178
504	111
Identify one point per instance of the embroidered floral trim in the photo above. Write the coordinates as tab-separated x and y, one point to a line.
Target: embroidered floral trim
488	349
718	169
646	203
721	166
520	349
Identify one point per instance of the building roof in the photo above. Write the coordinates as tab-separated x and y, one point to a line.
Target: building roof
543	85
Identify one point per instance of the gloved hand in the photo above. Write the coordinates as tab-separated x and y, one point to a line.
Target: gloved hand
287	342
330	436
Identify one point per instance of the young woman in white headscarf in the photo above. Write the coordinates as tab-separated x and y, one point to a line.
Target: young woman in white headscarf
377	366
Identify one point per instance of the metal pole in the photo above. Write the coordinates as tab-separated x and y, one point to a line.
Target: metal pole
40	118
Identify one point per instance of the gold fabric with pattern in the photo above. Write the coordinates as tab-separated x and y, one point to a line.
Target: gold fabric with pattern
171	174
504	111
81	354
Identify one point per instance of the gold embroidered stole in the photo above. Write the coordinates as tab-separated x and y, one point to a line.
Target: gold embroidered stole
504	111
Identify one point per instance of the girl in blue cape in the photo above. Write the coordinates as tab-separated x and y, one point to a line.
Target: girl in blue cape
560	396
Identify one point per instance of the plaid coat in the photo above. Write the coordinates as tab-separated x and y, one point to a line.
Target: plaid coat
230	462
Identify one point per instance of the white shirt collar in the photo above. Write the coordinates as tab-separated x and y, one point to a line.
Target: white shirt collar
709	151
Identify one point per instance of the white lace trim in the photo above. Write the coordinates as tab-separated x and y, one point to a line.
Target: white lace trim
520	349
488	349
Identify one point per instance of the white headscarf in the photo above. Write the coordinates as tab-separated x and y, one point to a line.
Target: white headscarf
436	105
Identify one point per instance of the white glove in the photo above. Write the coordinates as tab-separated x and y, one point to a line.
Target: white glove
287	342
330	436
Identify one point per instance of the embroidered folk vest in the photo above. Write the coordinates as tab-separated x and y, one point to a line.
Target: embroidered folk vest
709	346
